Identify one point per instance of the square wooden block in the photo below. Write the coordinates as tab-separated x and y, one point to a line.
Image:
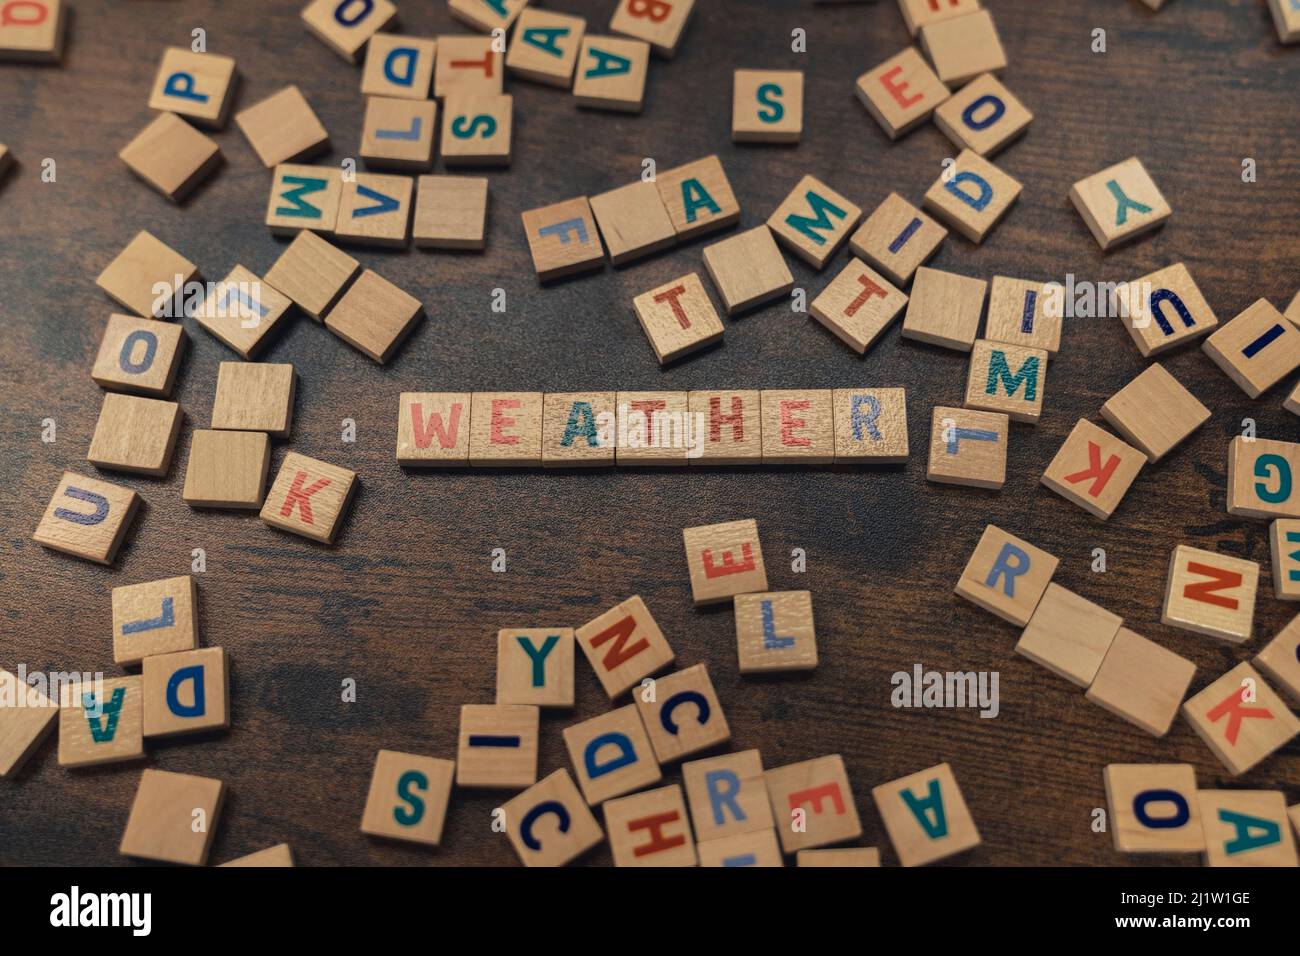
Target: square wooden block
1025	313
798	426
578	429
1154	412
498	746
748	270
144	264
724	560
1069	635
156	617
1241	719
139	355
901	93
374	316
611	73
1280	659
283	128
1292	403
1007	378
562	239
1257	349
26	717
486	15
611	755
1120	203
398	133
961	48
698	197
925	816
945	309
408	797
652	429
897	238
972	196
313	273
135	434
983	116
399	66
545	48
731	422
171	156
767	106
309	497
968	447
812	803
813	221
187	692
535	666
1093	469
727	795
375	210
505	429
775	632
660	24
919	13
102	723
450	212
304	197
858	305
1154	808
744	849
870	426
549	824
843	857
477	129
1284	544
1142	682
1006	576
623	646
650	829
1261	478
34	31
468	64
242	311
173	818
633	221
198	86
226	469
677	317
87	518
1211	593
1246	828
433	429
254	397
684	716
1165	309
1286	17
345	27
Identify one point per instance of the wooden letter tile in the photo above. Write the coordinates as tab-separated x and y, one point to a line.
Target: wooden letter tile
925	816
198	86
374	316
549	824
798	427
1119	203
972	195
748	270
983	116
563	239
345	26
731	423
33	31
1024	313
545	47
1154	412
698	197
660	24
1165	309
727	795
375	210
145	263
399	66
135	434
156	617
767	106
1007	378
812	803
813	221
624	645
408	797
171	156
1286	17
611	74
87	518
655	429
398	134
1246	828
1241	719
254	397
467	64
535	666
945	309
870	425
611	755
633	221
1153	808
678	317
102	723
1142	682
683	715
1210	593
280	855
226	469
1262	478
961	48
498	746
842	857
775	632
1093	469
187	692
312	273
1006	576
578	429
477	129
283	128
744	849
309	497
165	818
242	311
1257	349
1068	635
1280	659
26	717
505	429
897	239
968	447
901	93
1284	541
486	15
650	829
858	305
433	429
920	13
450	212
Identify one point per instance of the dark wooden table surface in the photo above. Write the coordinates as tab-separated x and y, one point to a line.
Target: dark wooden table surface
406	602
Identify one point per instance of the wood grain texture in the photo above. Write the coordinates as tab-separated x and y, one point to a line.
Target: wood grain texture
405	601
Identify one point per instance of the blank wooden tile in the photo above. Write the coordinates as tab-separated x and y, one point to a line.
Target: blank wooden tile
1154	412
731	422
1164	309
1257	349
1241	731
842	857
1280	659
549	824
283	128
155	617
897	239
961	48
450	212
144	264
375	210
313	273
304	197
34	31
727	795
1006	575
545	47
1069	635
1293	310
983	116
104	723
1292	404
408	797
477	129
535	666
698	197
1246	828
1210	593
198	86
653	429
186	692
486	15
1119	203
919	13
870	426
659	24
858	305
399	66
6	160
505	429
767	106
226	469
968	447
775	632
684	715
242	311
945	309
1093	469
611	755
467	64
254	396
26	717
164	824
1261	478
433	429
748	270
1023	312
972	195
650	829
901	93
611	73
345	27
925	816
1142	682
677	317
623	646
135	434
633	221
578	429
398	133
308	497
744	849
374	316
562	239
798	426
87	518
816	794
1284	544
1153	808
813	221
1007	378
1286	17
279	855
498	746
